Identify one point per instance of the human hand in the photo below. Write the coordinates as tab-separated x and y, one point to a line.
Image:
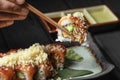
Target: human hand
11	10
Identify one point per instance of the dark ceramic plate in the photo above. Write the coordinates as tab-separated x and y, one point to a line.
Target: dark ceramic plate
95	63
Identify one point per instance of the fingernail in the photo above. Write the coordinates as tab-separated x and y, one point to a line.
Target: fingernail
20	1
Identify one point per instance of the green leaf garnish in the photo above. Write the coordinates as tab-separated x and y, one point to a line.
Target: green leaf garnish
70	73
72	55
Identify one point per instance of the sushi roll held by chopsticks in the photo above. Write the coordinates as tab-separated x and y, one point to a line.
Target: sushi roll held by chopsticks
75	24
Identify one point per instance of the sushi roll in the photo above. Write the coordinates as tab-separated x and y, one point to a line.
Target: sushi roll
6	73
45	71
56	53
25	72
75	24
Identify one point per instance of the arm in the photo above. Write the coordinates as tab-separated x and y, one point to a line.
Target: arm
11	10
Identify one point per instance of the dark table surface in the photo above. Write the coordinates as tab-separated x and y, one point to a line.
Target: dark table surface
26	32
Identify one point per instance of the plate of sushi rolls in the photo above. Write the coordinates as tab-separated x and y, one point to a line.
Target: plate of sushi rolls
38	62
53	61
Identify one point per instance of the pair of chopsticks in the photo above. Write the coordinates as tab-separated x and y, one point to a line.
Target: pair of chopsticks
44	17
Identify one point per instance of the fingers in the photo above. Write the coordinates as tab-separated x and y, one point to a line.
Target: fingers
11	10
7	19
10	7
5	23
8	16
20	2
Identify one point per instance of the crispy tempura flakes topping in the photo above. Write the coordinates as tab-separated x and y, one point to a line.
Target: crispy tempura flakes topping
34	55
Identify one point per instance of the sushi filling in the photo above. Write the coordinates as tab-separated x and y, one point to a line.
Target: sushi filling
21	76
40	75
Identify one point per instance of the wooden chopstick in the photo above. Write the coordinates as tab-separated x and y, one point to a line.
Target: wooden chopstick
44	17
